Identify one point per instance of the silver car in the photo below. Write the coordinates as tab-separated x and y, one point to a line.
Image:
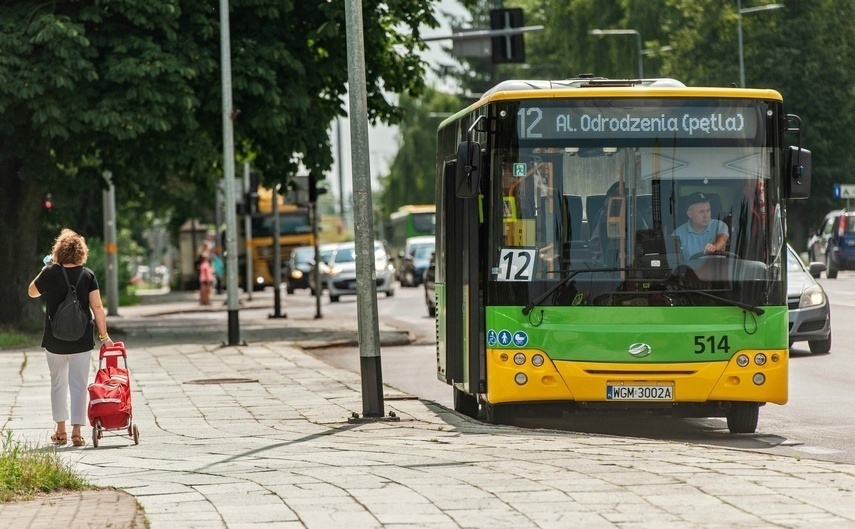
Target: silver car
341	276
810	312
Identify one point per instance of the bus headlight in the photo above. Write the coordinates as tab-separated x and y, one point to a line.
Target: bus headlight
520	378
759	378
537	360
519	359
812	297
742	360
760	359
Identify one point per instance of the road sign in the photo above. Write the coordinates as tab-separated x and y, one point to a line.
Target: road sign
844	191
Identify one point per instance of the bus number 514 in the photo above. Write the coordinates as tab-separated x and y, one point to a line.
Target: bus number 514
711	343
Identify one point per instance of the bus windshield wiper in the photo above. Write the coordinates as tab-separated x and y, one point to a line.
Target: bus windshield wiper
741	305
536	301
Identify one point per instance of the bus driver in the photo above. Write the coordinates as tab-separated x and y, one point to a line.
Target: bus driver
701	234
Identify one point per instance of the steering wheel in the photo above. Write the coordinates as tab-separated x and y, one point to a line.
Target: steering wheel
719	253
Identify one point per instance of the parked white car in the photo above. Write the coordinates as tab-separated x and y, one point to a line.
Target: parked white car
341	276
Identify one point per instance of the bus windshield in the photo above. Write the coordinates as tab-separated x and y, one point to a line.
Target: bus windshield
642	205
291	223
424	223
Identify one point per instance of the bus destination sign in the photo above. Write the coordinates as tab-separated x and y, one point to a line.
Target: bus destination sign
696	122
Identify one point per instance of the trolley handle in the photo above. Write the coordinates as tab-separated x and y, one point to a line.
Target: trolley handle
109	356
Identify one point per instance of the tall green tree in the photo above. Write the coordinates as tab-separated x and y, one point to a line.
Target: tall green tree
134	87
412	174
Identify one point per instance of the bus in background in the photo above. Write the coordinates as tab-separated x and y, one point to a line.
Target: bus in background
409	221
616	244
295	230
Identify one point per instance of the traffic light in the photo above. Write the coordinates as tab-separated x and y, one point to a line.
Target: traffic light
315	189
251	198
48	203
507	48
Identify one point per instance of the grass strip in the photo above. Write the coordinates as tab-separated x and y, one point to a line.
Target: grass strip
27	470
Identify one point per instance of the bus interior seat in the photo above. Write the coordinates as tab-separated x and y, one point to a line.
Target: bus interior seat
593	205
574	216
645	204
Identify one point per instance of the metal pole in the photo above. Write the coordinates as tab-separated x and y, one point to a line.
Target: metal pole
363	222
340	160
277	258
247	231
739	32
640	63
218	220
229	176
111	258
316	269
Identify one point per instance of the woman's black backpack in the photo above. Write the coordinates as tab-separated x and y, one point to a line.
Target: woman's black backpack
70	321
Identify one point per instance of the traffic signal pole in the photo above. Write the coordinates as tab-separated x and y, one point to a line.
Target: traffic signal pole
277	258
363	221
111	258
229	176
247	229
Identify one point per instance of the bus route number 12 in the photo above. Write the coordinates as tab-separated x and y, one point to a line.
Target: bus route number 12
516	264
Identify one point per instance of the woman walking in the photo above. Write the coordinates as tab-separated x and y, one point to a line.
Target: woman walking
68	361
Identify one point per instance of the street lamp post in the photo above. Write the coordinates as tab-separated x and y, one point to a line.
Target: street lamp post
635	32
739	13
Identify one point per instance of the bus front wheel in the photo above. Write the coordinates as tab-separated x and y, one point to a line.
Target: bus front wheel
742	417
495	413
465	403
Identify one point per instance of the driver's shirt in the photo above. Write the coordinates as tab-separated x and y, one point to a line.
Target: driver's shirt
694	242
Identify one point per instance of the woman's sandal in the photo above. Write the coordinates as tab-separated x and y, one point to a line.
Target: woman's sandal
78	440
59	438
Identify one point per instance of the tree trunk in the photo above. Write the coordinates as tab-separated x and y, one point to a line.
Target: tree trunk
20	216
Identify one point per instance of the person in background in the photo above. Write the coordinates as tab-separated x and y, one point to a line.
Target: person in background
206	280
701	234
219	269
68	361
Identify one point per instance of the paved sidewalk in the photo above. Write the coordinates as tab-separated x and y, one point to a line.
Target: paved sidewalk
257	436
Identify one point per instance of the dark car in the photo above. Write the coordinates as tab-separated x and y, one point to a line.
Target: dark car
429	280
414	265
299	268
810	313
834	242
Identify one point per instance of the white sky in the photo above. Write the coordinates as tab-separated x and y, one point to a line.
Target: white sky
383	140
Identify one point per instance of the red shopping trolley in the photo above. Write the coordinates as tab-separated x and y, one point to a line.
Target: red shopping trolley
110	396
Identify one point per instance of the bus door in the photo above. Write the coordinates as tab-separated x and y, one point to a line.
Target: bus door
464	351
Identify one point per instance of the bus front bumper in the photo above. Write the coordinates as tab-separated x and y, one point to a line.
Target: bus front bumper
690	382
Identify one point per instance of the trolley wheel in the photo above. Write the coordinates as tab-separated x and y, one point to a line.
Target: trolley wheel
95	436
136	435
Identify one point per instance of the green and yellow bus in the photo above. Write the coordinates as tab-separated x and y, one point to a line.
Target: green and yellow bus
566	273
405	223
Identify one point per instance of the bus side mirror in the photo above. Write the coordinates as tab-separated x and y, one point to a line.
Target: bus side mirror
468	171
798	173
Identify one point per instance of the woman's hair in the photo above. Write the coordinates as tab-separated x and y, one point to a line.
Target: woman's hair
204	249
70	248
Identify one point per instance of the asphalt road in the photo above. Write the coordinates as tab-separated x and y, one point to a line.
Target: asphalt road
817	422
